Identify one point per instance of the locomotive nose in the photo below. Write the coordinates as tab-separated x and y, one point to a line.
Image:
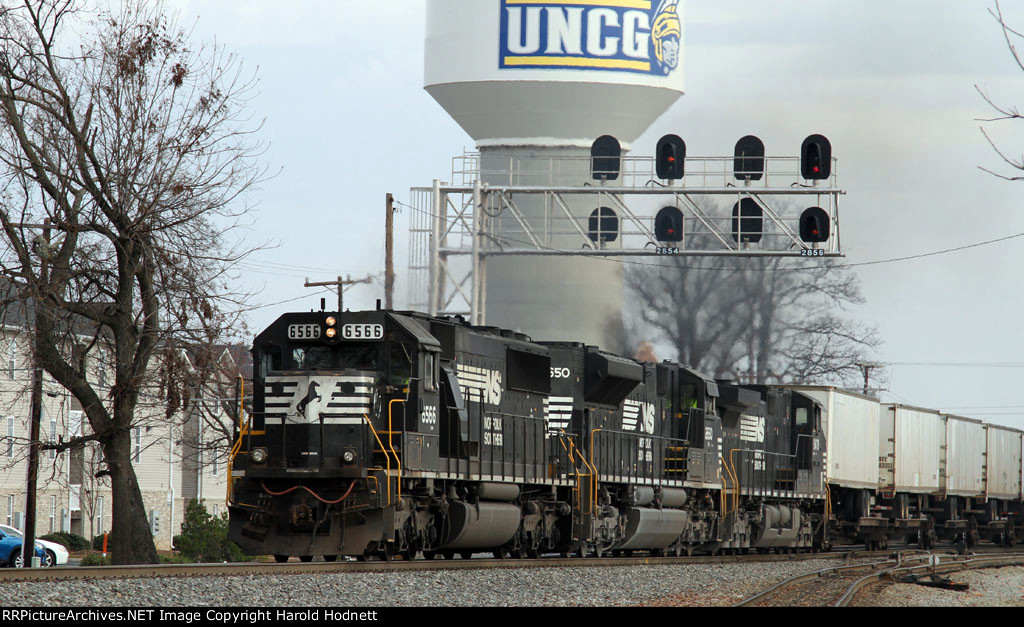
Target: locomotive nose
318	418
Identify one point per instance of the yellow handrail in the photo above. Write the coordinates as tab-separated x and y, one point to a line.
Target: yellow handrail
593	468
731	479
736	486
242	430
593	471
387	471
391	444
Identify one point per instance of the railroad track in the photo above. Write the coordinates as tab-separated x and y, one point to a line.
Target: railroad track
267	568
839	586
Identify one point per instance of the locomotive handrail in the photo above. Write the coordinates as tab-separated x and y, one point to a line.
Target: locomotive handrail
242	431
391	444
592	474
387	470
730	468
593	468
572	447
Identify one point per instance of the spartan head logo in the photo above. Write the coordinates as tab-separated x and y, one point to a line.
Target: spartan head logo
667	35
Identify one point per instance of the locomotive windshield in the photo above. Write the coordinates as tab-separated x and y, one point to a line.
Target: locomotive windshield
349	356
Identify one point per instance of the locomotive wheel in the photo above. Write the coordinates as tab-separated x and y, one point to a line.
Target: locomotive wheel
280	559
448	555
500	554
466	555
654	553
330	558
388	552
429	555
532	553
305	558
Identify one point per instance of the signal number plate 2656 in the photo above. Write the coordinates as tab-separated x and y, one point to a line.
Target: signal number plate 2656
362	332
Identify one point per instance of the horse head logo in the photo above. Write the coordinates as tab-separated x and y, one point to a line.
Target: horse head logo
311	395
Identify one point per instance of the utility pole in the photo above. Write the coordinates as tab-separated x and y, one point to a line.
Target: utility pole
28	545
389	251
340	283
867	368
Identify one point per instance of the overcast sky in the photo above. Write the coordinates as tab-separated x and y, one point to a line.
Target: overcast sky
892	84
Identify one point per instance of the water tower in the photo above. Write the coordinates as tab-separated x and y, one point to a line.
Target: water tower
534	83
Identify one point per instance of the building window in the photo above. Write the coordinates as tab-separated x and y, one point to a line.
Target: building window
99	515
11	361
10	436
137	452
10	510
53	437
53	512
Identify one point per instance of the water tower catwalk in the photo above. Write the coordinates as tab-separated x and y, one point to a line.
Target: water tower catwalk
534	83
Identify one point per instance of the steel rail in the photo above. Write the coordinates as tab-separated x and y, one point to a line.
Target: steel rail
273	568
956	565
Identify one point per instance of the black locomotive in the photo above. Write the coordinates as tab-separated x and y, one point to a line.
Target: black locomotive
381	432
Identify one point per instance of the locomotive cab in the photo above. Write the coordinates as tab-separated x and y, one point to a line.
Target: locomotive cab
337	398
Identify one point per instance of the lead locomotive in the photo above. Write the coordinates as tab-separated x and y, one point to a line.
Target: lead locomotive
380	432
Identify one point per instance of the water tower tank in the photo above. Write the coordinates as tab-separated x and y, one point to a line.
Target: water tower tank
533	80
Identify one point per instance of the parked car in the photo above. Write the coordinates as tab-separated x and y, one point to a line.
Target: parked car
53	554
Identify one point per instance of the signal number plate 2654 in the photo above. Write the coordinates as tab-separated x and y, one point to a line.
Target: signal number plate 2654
362	332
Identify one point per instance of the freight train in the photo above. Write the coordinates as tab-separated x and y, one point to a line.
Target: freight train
378	433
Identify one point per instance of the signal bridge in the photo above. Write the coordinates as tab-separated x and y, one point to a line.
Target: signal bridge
748	205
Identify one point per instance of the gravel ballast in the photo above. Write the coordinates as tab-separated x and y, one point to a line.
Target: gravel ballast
685	584
682	585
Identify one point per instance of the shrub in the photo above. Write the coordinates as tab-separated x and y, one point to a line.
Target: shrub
97	542
70	541
205	538
95	559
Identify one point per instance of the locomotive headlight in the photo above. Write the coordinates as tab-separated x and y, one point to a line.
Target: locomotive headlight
348	457
330	321
259	455
331	332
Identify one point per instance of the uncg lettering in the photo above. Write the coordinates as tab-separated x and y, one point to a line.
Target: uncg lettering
594	32
644	37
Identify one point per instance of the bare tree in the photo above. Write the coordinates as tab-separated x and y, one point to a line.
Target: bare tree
1003	112
130	147
758	320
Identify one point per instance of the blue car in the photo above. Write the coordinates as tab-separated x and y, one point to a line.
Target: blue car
10	550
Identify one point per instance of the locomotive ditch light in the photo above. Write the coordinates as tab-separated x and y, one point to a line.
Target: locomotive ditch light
259	455
349	456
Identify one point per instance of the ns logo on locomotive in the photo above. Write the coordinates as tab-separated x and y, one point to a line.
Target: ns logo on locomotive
643	36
